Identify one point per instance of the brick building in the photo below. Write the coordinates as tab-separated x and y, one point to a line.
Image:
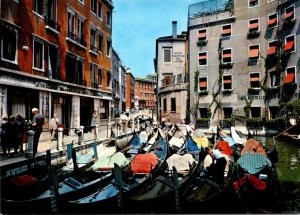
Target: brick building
243	57
144	93
130	80
56	55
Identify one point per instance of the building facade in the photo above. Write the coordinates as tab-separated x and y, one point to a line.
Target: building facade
56	56
172	79
129	89
243	57
144	94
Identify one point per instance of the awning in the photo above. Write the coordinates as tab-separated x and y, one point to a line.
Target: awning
289	45
289	78
254	79
272	50
202	56
106	98
203	84
253	26
272	21
228	81
202	35
226	31
253	53
227	55
288	15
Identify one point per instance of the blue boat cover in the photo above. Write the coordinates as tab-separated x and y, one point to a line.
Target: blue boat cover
253	163
229	140
191	146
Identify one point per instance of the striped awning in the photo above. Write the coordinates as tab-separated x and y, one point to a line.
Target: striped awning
289	15
289	45
253	26
272	50
253	53
272	21
253	163
289	78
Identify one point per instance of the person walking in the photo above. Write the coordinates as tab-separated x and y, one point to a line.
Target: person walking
94	120
53	127
37	125
4	134
20	127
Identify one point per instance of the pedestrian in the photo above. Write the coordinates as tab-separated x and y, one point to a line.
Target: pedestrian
20	123
12	135
4	136
94	120
37	125
53	127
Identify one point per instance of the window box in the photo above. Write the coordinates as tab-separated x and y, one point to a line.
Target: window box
203	93
253	91
253	34
202	123
227	92
201	42
255	123
226	65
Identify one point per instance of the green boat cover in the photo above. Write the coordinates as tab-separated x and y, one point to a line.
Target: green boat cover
106	163
253	163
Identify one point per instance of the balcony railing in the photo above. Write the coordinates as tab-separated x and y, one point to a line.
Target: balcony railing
52	23
77	39
94	85
82	82
93	48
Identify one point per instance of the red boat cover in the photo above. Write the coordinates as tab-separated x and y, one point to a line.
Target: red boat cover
224	147
254	147
144	163
255	182
24	180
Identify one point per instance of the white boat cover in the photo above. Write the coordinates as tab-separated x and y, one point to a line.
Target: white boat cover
175	141
108	162
237	139
180	162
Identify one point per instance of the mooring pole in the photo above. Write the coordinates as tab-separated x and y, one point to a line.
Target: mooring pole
176	191
118	180
53	189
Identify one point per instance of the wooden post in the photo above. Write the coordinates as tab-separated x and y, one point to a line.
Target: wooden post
95	150
176	191
53	189
119	182
69	150
74	157
60	138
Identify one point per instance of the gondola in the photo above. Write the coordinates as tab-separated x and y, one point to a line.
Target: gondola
204	190
164	189
255	176
140	172
79	184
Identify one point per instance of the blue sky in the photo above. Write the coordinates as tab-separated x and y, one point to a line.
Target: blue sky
138	23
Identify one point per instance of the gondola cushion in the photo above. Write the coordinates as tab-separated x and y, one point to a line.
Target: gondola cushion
224	147
24	180
144	163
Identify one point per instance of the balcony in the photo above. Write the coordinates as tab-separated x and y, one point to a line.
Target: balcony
93	49
94	85
52	25
82	82
78	40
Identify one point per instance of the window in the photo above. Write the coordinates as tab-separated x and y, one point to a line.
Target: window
253	25
81	1
226	30
289	44
227	111
93	75
203	58
165	105
272	20
38	55
173	104
93	39
272	48
255	112
94	6
202	34
74	69
254	52
38	7
108	47
108	18
273	112
75	27
203	112
9	43
100	42
226	56
290	75
99	76
99	10
274	79
227	82
253	3
254	80
203	84
289	13
108	78
167	55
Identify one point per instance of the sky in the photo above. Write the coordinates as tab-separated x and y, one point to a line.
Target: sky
138	23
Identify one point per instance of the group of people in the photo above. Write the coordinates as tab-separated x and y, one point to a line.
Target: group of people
12	133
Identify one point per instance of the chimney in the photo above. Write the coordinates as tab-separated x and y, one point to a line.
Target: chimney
174	29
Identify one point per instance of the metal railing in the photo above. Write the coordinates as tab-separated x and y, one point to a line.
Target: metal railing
77	39
52	23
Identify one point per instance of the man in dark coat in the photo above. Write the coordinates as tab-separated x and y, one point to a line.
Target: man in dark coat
20	121
37	125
